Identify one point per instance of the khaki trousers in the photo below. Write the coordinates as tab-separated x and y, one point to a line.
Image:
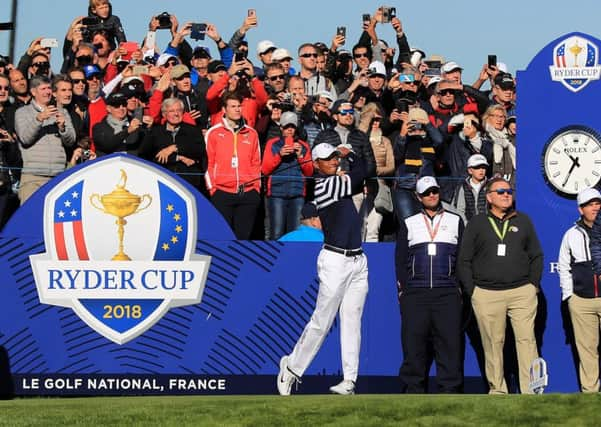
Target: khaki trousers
586	316
491	309
30	184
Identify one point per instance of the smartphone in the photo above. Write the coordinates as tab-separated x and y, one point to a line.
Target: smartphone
433	64
198	31
52	102
467	123
406	78
252	12
90	20
392	13
239	56
49	43
492	60
341	31
130	47
138	70
366	18
385	14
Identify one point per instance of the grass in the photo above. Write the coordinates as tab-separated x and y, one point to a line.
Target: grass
311	410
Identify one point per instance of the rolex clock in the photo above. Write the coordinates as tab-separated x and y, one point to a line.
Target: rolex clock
572	160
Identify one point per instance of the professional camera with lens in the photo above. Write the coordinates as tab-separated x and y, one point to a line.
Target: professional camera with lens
415	125
164	21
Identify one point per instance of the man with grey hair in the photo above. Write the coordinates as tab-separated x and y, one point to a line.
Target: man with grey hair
44	130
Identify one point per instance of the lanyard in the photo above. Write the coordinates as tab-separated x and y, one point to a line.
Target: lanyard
496	229
431	232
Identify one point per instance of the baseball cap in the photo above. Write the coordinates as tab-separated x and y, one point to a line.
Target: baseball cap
321	46
115	99
433	80
476	160
425	183
504	81
451	66
132	79
342	54
309	210
339	102
502	67
179	70
587	195
201	52
280	54
216	65
265	45
376	68
325	94
90	70
164	58
418	114
323	151
289	118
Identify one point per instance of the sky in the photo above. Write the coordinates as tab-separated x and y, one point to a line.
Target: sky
465	31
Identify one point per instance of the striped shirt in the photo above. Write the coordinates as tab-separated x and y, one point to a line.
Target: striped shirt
333	197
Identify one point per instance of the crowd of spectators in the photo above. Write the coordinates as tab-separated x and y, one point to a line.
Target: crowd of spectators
239	124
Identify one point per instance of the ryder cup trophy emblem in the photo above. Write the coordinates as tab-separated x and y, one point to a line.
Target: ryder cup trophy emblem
120	295
575	63
120	203
539	379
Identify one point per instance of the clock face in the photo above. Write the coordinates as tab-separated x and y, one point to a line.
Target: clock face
572	160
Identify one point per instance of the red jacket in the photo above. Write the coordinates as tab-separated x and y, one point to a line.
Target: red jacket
234	159
251	107
286	174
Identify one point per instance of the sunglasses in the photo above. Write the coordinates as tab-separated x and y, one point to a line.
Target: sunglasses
501	191
430	191
171	63
376	119
289	126
444	92
93	77
76	81
360	55
308	55
346	112
84	59
278	77
4	88
41	64
119	104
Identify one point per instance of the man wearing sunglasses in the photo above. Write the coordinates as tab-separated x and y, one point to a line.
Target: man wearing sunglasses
500	266
314	81
428	292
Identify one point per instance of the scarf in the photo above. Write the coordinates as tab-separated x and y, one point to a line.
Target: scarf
501	143
116	124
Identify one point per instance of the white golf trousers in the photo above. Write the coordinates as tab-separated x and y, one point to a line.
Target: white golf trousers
342	287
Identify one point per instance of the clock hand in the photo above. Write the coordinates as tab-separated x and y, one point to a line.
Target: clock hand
570	173
575	160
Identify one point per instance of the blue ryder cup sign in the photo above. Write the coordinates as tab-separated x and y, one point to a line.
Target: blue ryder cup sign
120	247
575	63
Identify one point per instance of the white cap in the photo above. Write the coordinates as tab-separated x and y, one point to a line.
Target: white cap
425	183
280	54
501	66
325	94
416	56
476	160
131	79
433	80
288	118
377	67
264	45
164	58
323	151
450	66
587	195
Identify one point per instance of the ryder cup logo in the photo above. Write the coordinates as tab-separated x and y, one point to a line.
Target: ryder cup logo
120	238
575	63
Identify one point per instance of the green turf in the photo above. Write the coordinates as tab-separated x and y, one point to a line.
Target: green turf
360	410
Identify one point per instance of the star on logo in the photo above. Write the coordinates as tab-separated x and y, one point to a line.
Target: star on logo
75	194
169	208
165	247
68	203
73	212
177	217
179	229
61	214
174	239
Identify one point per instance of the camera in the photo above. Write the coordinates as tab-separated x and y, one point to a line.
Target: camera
86	154
415	125
341	31
239	56
164	21
198	31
